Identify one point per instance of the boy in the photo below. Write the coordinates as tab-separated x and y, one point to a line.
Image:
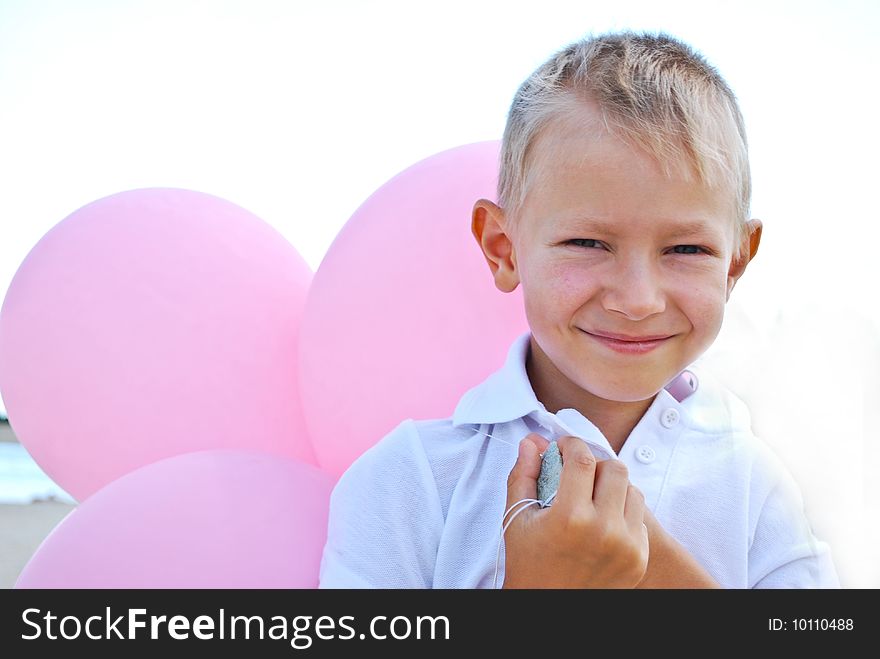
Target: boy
623	213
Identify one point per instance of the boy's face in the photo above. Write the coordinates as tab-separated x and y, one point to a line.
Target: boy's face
625	270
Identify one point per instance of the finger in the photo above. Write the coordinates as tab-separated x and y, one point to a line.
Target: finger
635	510
541	442
523	480
578	475
610	488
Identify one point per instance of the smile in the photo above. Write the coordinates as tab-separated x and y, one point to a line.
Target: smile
635	345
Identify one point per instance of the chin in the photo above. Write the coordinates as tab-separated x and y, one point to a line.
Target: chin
625	393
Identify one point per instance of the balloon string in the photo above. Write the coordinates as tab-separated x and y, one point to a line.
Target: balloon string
523	503
515	509
497	439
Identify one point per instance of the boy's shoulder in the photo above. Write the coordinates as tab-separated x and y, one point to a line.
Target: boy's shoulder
421	441
435	438
424	431
715	408
718	413
418	460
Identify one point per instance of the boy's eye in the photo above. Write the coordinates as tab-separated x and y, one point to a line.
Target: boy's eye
688	249
584	242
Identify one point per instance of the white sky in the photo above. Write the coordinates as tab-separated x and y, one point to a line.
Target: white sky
298	111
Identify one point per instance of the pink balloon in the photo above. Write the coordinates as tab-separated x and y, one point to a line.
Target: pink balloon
403	315
210	519
152	323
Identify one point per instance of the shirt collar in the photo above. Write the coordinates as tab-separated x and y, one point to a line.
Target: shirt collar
507	395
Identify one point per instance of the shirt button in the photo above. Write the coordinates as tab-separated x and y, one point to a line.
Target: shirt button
669	417
645	454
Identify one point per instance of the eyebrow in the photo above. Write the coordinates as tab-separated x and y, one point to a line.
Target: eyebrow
677	230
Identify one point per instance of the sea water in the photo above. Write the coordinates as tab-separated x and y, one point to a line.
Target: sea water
22	480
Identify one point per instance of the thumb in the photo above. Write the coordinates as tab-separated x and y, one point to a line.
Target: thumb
523	480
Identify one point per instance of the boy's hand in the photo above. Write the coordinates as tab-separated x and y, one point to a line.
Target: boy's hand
670	565
593	536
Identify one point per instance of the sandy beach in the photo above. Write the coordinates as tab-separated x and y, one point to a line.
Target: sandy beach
23	527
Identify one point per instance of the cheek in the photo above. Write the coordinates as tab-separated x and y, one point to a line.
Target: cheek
554	286
552	294
704	306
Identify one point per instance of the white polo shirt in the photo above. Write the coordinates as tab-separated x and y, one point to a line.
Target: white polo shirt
423	507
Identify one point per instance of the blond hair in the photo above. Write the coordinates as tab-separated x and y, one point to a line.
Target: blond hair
653	91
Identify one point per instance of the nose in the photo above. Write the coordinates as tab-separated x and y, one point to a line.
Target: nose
634	290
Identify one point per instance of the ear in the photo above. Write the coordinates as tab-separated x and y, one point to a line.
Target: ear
747	253
489	228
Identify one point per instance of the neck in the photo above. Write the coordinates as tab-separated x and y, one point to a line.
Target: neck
615	419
